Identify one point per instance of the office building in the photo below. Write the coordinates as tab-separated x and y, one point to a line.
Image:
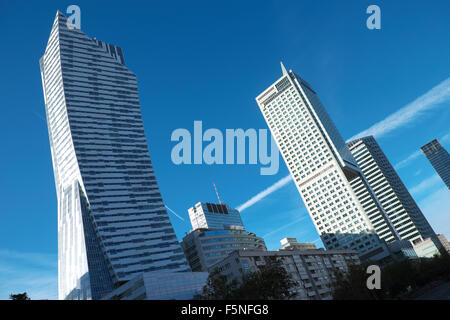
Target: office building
427	248
444	242
404	214
439	159
313	270
205	215
323	168
293	244
204	247
112	221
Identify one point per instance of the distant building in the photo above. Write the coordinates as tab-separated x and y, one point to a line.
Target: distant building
427	248
292	244
439	159
403	213
402	249
204	247
443	240
205	215
161	286
313	270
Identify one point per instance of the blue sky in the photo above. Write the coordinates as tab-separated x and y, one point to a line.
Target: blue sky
208	60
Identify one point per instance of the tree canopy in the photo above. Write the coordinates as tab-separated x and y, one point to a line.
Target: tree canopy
19	296
269	282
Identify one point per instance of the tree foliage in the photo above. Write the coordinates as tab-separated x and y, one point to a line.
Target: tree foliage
270	282
399	279
19	296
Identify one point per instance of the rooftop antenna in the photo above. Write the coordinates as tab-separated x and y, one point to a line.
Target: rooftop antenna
217	193
283	68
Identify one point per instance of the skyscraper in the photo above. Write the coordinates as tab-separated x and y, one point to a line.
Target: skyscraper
205	215
323	168
112	222
405	215
439	159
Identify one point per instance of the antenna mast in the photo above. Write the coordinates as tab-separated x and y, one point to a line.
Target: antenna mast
217	193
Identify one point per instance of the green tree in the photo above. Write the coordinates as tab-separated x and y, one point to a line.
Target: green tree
399	279
19	296
218	287
351	285
270	282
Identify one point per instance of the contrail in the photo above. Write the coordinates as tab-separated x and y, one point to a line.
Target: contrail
277	185
410	112
284	227
174	213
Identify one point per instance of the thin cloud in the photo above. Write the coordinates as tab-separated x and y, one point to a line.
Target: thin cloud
284	227
34	259
34	273
408	159
425	184
277	185
410	112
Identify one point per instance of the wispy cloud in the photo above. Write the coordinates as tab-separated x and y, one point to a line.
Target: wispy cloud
410	112
277	185
408	159
425	185
284	227
34	273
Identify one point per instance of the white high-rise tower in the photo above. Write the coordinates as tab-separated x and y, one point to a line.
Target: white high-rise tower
112	222
323	168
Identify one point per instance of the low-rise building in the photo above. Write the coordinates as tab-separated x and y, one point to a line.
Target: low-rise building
293	244
443	240
427	248
313	270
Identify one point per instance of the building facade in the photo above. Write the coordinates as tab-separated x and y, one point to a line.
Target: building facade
323	168
204	247
161	286
293	244
444	242
112	222
439	159
313	270
206	215
404	214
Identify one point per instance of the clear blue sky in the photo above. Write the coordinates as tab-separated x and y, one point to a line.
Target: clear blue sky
208	60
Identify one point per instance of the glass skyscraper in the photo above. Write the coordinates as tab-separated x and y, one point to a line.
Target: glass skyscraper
439	159
323	168
112	222
205	215
406	217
